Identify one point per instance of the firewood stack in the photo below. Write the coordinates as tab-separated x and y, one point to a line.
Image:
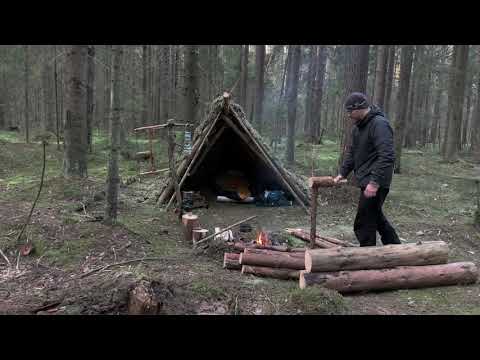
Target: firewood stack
385	268
276	261
339	266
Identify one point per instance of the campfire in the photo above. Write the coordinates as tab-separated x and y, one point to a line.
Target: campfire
262	238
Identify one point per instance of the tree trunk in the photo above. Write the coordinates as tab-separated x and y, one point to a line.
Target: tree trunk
426	110
274	259
75	154
389	79
356	72
191	84
405	277
90	93
173	80
318	85
402	102
312	63
381	72
108	89
436	111
113	177
292	93
414	119
407	142
466	118
144	85
244	78
27	99
259	85
475	141
363	258
284	274
45	95
455	102
164	88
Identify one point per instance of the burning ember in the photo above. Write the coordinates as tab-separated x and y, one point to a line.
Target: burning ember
262	238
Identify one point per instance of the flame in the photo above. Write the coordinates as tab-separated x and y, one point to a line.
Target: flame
262	238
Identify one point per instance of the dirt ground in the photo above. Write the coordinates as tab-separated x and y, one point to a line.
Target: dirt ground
424	204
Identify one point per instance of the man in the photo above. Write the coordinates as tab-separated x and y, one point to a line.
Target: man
371	156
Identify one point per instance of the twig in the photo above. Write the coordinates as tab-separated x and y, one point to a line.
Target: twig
18	259
39	259
47	306
116	264
128	244
6	259
38	194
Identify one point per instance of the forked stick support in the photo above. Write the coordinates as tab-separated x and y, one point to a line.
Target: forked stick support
314	183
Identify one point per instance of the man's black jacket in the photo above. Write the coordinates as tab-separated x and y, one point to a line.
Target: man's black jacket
372	154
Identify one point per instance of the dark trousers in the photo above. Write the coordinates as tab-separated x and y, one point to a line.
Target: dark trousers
370	219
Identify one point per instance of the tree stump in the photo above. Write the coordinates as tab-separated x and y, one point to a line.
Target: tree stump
190	222
142	300
198	234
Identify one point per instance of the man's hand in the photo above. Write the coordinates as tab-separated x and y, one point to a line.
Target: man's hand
337	179
370	190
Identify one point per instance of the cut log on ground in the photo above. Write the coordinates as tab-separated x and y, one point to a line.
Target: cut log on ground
371	257
253	250
302	234
190	222
273	259
198	234
404	277
242	246
305	236
284	274
142	300
230	261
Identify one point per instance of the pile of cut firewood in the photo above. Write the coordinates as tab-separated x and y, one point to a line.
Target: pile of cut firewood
276	261
385	268
342	266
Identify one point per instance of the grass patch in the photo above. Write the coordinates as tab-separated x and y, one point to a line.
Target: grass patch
205	290
316	300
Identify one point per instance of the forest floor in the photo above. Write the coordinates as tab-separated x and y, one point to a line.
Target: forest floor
430	200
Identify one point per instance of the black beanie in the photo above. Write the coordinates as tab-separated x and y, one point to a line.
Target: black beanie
356	101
